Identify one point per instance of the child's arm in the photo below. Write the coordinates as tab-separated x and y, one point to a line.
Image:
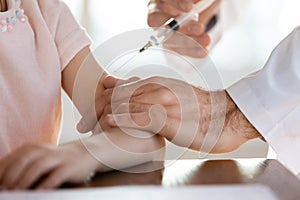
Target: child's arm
82	81
73	162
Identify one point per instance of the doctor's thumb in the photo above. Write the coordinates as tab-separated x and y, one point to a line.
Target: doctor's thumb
111	82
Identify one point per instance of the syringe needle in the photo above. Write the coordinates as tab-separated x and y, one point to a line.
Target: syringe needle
163	32
147	46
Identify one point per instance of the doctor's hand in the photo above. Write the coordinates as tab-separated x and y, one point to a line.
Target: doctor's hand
161	11
178	111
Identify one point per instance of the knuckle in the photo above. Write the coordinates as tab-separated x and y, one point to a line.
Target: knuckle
133	99
27	147
22	161
57	178
40	164
164	7
154	79
134	78
108	98
51	182
166	95
124	107
153	20
108	92
107	109
134	108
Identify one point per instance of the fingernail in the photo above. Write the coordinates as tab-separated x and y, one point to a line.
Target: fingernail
185	5
81	126
196	29
201	53
110	119
113	120
9	187
41	188
205	40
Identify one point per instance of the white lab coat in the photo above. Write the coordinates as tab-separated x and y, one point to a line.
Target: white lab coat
271	100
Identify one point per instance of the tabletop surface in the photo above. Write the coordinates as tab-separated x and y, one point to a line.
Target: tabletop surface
206	172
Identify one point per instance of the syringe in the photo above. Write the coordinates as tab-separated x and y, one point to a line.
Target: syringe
162	33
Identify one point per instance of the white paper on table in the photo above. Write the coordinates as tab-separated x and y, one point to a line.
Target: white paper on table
211	192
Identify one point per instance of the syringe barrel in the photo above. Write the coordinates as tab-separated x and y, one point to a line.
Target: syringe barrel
162	33
197	8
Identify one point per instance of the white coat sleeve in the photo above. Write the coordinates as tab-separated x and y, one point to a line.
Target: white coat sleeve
271	100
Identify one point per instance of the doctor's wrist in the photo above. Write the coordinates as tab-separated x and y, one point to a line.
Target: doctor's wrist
238	123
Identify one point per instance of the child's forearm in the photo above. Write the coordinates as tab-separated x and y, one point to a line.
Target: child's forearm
116	149
82	80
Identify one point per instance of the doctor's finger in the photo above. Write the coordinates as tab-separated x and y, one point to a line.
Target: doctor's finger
195	47
194	53
209	13
111	82
160	96
142	121
180	40
160	11
120	109
152	120
126	120
157	19
192	28
177	111
182	5
125	92
164	7
131	108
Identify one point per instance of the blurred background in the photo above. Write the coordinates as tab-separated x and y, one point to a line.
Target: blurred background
250	30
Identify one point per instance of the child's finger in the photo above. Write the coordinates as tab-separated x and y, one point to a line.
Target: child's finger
131	108
141	121
56	178
91	117
152	120
15	164
35	170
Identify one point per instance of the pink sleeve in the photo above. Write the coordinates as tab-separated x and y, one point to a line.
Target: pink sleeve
69	36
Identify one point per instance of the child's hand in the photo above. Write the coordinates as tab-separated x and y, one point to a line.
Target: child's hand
89	122
46	166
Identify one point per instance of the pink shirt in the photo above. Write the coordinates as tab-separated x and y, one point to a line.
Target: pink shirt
38	38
